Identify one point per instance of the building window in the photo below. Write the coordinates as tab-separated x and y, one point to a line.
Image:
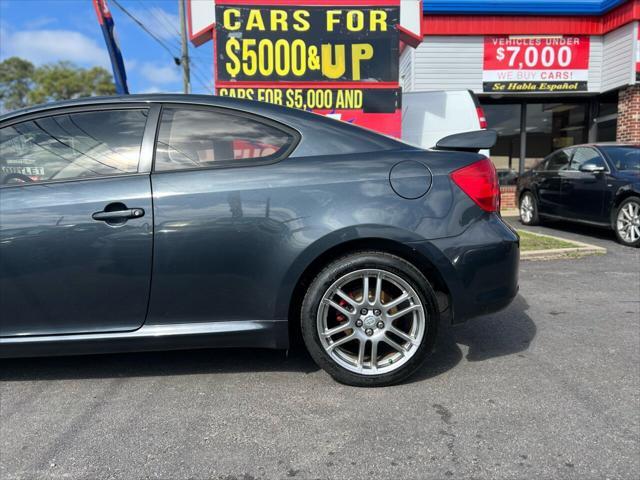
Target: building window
607	130
606	122
551	126
545	127
505	119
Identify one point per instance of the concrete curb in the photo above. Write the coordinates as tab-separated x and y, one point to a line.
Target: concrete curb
510	212
581	249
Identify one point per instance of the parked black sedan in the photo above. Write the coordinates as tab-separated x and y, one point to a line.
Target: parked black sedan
156	222
597	184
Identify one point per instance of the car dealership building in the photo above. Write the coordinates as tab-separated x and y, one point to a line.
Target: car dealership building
549	73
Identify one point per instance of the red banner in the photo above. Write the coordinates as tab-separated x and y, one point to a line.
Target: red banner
554	63
387	123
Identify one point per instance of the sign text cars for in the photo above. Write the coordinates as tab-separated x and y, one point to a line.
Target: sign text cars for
535	64
311	43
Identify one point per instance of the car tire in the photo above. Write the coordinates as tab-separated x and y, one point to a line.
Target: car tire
626	222
349	355
528	209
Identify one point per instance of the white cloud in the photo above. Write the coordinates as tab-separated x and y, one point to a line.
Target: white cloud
151	89
39	23
160	73
130	64
155	89
46	46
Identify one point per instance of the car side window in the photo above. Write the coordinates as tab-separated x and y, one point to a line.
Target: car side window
199	138
558	161
584	156
71	146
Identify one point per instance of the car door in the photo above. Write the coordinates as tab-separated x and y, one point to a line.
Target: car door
219	229
583	192
75	221
549	182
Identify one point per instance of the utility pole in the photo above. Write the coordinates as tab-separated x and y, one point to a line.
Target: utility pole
184	59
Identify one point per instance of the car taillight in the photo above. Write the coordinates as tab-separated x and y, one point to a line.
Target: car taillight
480	181
481	118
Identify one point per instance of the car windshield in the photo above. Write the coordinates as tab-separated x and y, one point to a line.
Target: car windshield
624	158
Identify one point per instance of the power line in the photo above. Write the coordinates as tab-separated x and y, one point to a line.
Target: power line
202	82
142	25
200	77
172	31
163	21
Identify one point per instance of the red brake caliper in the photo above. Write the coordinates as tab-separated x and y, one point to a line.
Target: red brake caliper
340	317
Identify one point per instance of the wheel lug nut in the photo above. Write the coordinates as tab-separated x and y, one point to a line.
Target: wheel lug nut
358	323
368	331
364	311
380	324
377	312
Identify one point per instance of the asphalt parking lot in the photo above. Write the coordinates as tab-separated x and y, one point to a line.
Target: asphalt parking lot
549	388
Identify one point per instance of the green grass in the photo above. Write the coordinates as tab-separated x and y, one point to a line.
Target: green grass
530	241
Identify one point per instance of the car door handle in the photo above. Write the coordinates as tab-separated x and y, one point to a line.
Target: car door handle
118	215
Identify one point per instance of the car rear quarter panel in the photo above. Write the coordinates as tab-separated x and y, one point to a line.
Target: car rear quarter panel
231	243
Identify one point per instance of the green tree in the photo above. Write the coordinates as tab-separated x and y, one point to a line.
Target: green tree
16	81
63	80
22	84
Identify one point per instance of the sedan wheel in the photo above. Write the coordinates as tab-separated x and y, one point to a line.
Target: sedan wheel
528	209
628	222
367	321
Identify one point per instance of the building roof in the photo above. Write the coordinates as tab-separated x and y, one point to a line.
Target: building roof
530	21
520	7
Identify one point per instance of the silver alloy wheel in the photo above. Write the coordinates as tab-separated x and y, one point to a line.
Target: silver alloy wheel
371	321
526	208
628	222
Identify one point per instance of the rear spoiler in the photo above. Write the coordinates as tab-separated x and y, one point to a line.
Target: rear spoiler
468	141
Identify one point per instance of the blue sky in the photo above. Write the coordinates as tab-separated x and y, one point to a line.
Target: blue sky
45	31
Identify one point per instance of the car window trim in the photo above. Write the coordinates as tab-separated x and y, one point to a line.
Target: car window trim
75	109
83	109
149	137
255	162
76	179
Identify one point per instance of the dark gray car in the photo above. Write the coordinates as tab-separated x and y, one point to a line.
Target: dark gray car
164	222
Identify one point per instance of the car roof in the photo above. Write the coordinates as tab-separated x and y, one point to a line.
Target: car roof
212	100
320	134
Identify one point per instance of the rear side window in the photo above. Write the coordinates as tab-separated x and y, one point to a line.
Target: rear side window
624	158
70	146
558	161
198	138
